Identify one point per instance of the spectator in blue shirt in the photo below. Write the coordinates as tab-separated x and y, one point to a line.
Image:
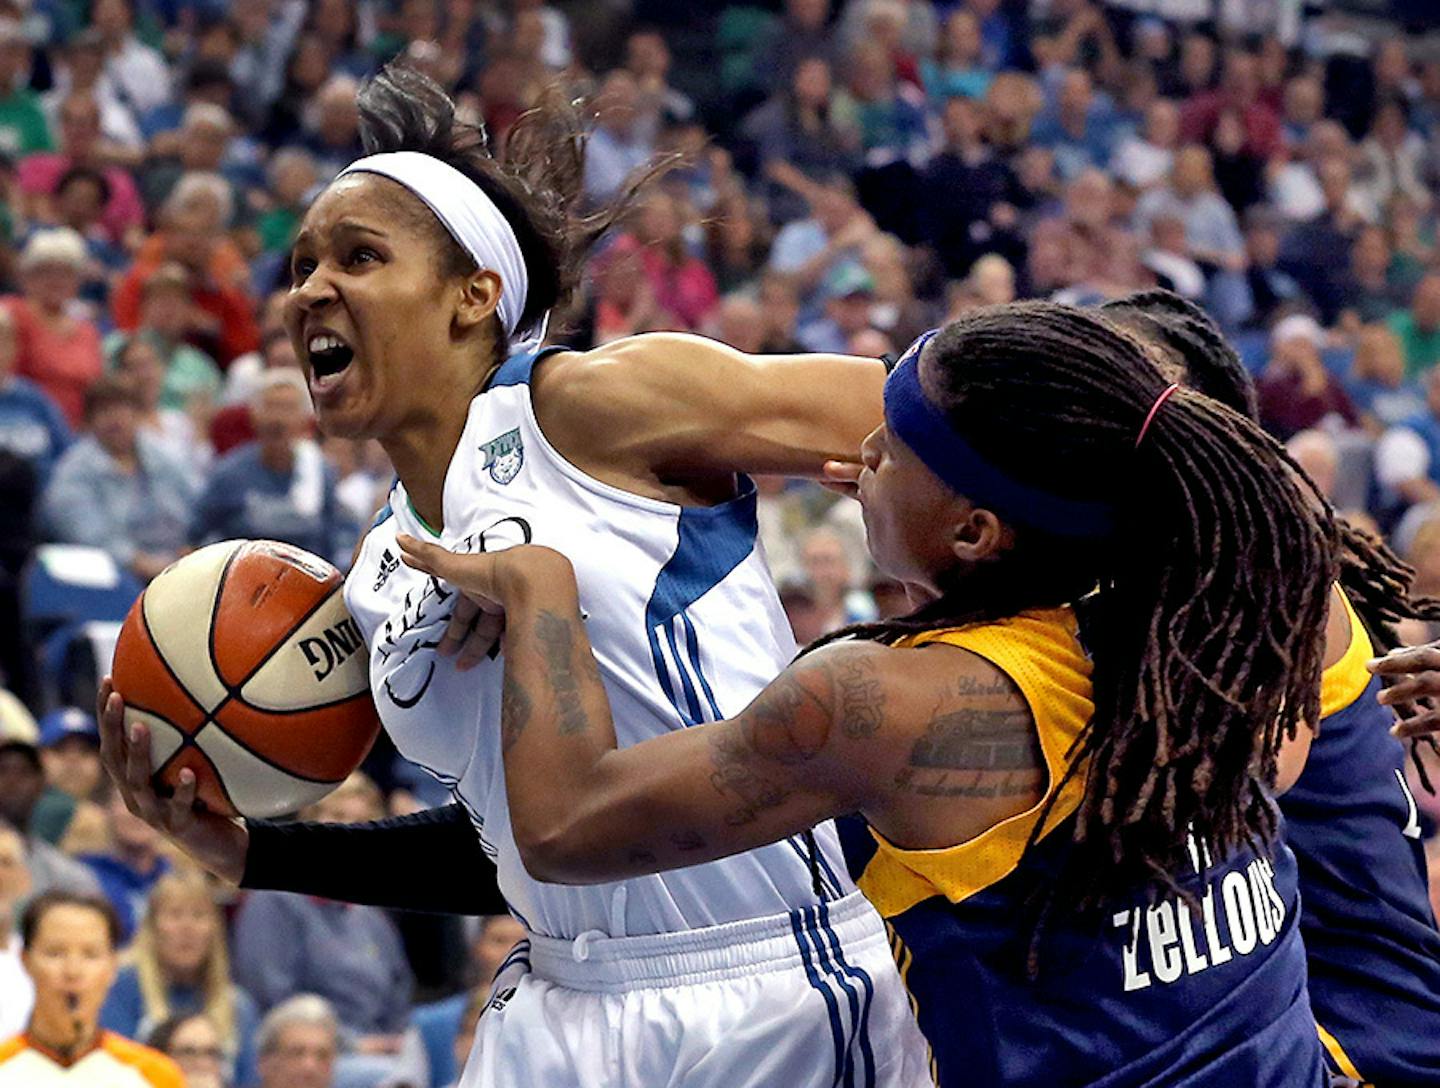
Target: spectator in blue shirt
621	142
278	487
1078	125
958	67
31	426
131	866
117	489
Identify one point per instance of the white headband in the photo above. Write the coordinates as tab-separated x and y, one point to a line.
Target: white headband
472	220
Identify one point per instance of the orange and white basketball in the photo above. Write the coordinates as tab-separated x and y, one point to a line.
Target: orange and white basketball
245	666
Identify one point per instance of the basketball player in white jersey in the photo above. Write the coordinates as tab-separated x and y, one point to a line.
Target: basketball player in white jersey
419	275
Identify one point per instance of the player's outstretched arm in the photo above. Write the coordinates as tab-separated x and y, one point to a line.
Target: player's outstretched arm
806	749
674	405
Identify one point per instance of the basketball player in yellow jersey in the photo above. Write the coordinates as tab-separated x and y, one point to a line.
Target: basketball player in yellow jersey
70	954
1060	781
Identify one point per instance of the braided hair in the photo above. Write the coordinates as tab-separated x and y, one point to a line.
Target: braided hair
1188	347
1205	606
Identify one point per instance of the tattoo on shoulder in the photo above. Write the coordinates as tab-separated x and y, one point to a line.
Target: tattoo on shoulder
557	640
976	752
862	698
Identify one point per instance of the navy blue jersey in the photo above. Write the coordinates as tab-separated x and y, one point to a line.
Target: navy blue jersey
1370	936
1144	993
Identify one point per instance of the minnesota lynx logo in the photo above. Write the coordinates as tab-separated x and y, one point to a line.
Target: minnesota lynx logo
504	456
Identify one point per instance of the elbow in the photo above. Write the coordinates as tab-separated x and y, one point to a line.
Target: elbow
554	853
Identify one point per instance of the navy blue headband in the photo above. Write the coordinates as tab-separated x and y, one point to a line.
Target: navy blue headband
945	452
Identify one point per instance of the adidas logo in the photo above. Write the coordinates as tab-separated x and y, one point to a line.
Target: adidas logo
388	566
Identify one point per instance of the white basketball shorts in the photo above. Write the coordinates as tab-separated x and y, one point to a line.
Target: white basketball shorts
807	999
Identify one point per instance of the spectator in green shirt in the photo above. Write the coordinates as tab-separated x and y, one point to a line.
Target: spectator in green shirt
1419	327
22	122
166	314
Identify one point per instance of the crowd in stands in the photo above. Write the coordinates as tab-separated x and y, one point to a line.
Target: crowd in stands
853	173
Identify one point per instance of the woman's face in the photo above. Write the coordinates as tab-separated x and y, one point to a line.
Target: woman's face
184	929
370	310
198	1050
52	285
962	34
72	964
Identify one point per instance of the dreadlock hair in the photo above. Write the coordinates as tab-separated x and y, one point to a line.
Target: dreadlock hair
1205	606
1188	347
536	183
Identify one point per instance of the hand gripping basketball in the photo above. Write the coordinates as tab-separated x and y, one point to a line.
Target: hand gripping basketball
217	843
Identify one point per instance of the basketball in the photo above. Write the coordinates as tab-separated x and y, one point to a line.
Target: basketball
245	666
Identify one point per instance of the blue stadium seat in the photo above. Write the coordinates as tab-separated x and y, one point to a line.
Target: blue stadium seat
438	1024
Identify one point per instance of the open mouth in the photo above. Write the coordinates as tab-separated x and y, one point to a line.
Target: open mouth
329	356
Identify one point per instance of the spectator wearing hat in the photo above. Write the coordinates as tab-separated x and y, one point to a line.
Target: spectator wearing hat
192	223
117	489
70	751
59	348
1297	393
23	127
167	317
32	428
22	786
17	992
849	297
278	487
81	145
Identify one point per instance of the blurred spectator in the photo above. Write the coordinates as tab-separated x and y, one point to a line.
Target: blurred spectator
969	193
737	241
1407	457
1317	251
1369	294
992	280
167	315
349	954
17	992
1239	91
1412	240
83	72
298	1043
22	787
278	487
621	143
79	203
194	1043
801	33
680	282
116	489
1392	158
647	58
192	234
1271	287
70	751
1079	126
59	348
179	967
185	435
129	867
201	145
70	944
331	125
799	131
139	72
1419	327
739	323
1316	453
1296	391
23	128
807	249
1145	159
1378	387
625	302
292	180
849	298
829	568
81	145
780	307
959	65
1304	105
896	310
886	112
31	426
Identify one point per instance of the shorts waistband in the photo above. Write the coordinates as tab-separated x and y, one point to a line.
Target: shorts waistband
777	942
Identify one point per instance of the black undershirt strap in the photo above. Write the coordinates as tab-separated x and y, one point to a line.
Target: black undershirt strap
431	861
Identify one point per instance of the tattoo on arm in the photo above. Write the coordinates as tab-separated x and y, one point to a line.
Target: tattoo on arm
687	841
557	639
862	698
976	752
515	707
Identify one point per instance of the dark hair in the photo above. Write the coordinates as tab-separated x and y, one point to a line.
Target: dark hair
1192	350
107	390
1204	609
164	1032
536	184
84	173
44	903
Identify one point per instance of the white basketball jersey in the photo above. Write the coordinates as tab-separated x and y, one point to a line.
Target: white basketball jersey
684	619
